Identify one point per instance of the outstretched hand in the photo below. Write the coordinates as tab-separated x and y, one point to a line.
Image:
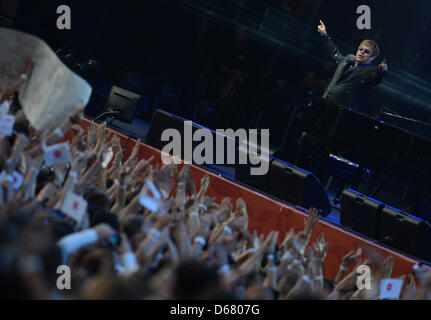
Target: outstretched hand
321	28
383	66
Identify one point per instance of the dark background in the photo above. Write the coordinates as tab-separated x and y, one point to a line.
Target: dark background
107	24
155	38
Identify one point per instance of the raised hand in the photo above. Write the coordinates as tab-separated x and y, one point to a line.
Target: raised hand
351	258
321	247
190	183
273	243
141	168
92	136
388	267
376	261
300	242
205	182
207	203
311	221
100	131
288	240
116	144
321	28
163	179
102	136
410	290
184	173
135	152
383	67
349	282
241	210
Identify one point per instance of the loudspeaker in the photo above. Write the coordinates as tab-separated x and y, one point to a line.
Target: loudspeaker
124	102
298	187
405	232
163	120
243	171
388	225
360	213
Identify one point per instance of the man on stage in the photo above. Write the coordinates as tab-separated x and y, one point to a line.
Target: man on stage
353	78
355	75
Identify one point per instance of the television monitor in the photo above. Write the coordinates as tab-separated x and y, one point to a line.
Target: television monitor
124	102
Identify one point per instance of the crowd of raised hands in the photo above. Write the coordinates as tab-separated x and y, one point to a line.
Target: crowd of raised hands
127	229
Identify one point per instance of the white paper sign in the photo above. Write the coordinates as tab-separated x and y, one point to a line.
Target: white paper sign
107	158
74	206
150	197
53	93
390	288
58	154
6	125
16	179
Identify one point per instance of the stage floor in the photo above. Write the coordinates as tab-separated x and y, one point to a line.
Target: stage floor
393	194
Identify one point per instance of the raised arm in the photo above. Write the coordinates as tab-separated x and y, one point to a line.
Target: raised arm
333	50
14	86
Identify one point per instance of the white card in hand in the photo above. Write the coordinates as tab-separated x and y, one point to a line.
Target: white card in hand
390	288
16	179
58	154
74	206
107	158
6	125
150	197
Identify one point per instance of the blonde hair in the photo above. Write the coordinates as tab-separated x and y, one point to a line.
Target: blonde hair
375	47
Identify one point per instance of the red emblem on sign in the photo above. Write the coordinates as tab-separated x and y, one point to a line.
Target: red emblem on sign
75	205
57	153
389	287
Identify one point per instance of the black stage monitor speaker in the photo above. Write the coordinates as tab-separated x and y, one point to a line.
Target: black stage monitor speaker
360	213
405	233
163	120
243	171
298	187
124	102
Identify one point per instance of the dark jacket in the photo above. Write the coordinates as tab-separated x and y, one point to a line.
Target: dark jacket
349	85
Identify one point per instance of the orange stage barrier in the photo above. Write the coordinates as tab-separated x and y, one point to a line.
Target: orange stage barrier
266	214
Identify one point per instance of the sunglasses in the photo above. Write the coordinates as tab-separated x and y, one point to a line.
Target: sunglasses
364	50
